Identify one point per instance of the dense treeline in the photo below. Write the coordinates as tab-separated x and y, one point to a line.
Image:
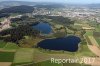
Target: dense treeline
24	20
49	6
56	19
4	15
18	9
18	33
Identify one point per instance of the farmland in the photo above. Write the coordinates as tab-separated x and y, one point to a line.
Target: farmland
19	45
47	63
6	56
24	55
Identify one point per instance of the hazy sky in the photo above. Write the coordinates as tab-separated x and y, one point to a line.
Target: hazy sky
62	1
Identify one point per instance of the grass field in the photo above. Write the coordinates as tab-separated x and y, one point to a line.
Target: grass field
1	19
98	28
10	46
24	55
6	56
47	63
98	40
84	51
74	64
22	64
93	41
2	44
89	33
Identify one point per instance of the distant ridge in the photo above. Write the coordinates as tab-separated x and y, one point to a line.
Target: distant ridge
18	9
7	4
50	6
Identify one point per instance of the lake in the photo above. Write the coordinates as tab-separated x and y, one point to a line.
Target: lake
44	28
69	43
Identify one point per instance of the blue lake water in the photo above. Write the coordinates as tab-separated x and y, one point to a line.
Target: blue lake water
69	43
44	28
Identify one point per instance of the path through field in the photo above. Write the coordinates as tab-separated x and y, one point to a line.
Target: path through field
95	49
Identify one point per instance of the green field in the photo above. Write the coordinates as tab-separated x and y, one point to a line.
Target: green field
6	56
21	64
98	28
2	44
47	63
74	64
84	51
98	40
89	33
24	55
1	19
10	46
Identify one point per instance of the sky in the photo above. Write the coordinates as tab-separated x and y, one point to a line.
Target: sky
63	1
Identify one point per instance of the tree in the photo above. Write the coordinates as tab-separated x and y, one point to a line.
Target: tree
19	32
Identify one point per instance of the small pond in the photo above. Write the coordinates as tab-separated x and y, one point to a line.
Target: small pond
44	28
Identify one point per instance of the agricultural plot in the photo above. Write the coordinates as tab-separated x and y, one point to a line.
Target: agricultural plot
97	37
24	55
5	63
93	41
2	44
47	63
98	40
98	28
74	64
84	51
10	46
89	33
6	56
88	40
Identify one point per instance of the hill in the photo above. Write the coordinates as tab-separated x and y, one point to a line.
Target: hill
7	4
18	9
52	5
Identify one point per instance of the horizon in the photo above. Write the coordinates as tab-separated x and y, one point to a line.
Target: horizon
61	1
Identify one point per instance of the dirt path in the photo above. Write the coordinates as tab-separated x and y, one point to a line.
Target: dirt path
95	49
